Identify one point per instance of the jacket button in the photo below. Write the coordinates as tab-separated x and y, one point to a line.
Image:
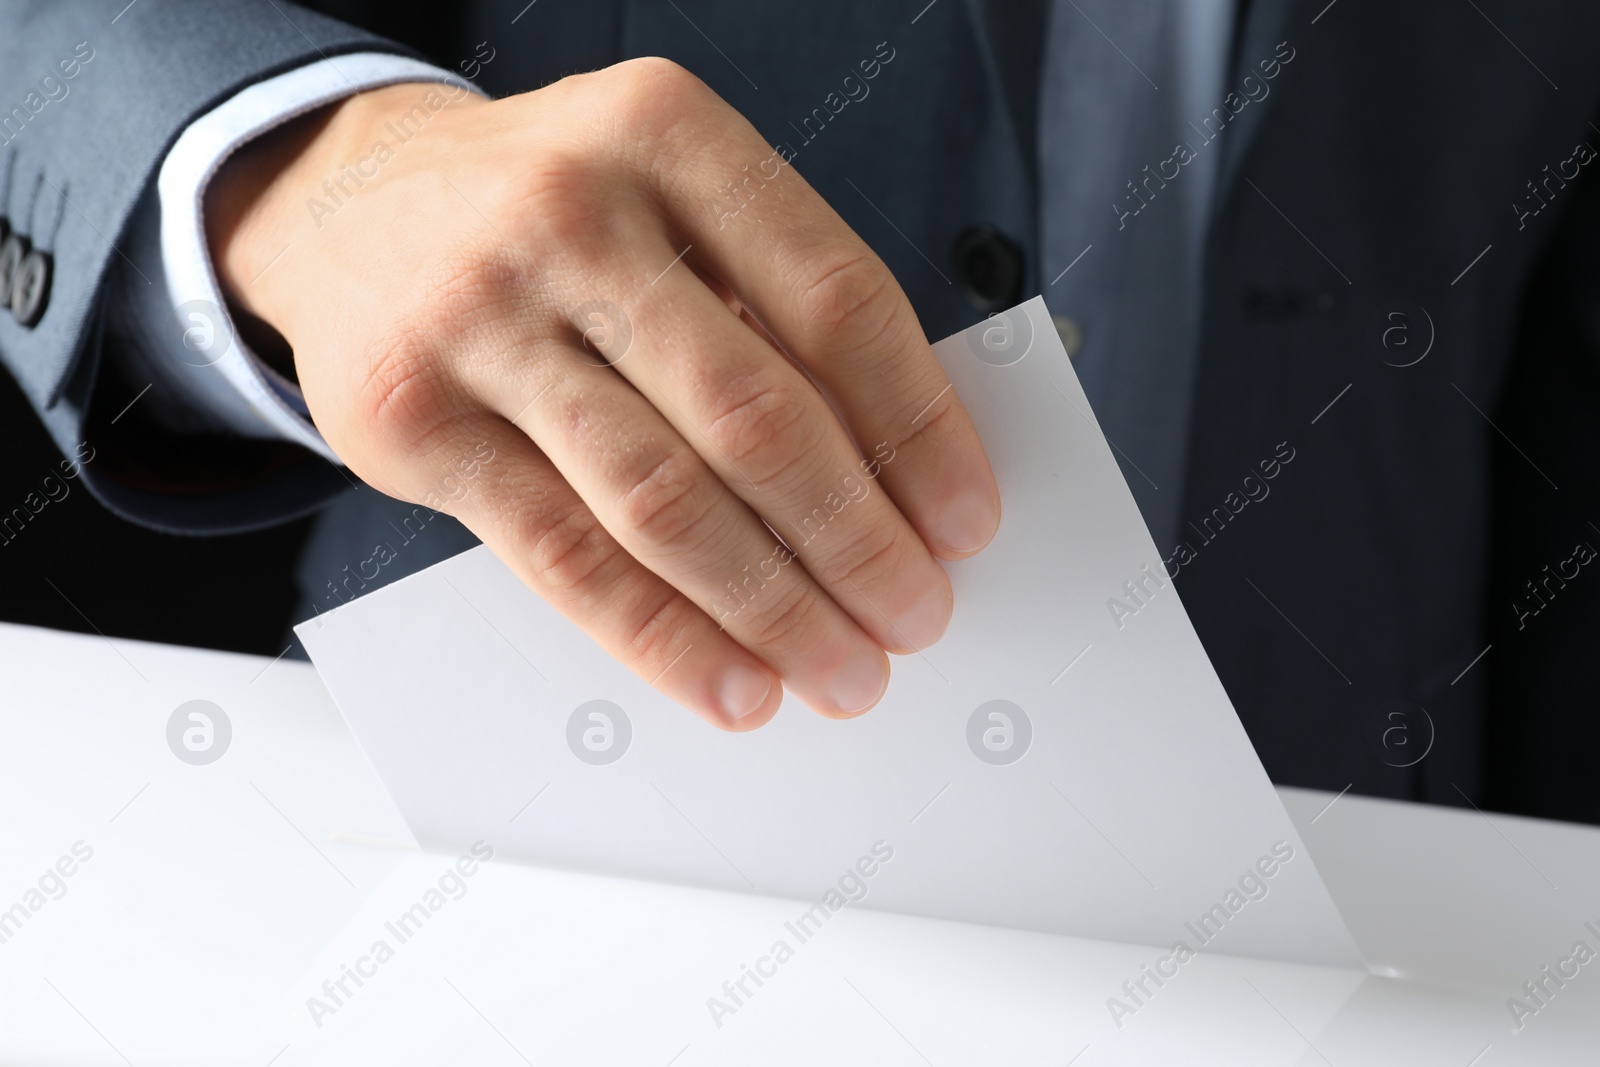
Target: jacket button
13	250
30	289
1275	302
989	268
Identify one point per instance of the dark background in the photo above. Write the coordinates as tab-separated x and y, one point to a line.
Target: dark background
232	593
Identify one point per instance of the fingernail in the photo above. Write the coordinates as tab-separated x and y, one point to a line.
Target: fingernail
742	691
967	522
925	621
860	682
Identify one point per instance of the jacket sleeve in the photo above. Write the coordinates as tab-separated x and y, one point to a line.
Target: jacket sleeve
92	96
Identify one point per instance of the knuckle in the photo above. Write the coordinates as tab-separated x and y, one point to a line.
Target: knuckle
668	503
560	192
923	417
789	620
570	552
851	295
561	203
402	402
656	640
864	562
473	288
767	433
651	89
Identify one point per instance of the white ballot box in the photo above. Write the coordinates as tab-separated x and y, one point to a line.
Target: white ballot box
222	898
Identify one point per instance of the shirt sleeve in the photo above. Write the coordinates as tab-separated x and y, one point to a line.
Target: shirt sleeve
168	311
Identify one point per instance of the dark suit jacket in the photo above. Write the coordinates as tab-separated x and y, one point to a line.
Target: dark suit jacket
1411	185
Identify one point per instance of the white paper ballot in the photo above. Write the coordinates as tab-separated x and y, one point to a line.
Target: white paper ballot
1050	764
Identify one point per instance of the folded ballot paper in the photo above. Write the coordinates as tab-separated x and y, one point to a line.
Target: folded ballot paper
1050	765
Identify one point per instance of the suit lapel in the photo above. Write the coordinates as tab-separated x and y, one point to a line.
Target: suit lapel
1010	36
1259	26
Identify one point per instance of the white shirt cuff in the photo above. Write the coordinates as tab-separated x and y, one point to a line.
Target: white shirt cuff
183	337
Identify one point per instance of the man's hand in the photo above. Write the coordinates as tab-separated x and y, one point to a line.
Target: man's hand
558	275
